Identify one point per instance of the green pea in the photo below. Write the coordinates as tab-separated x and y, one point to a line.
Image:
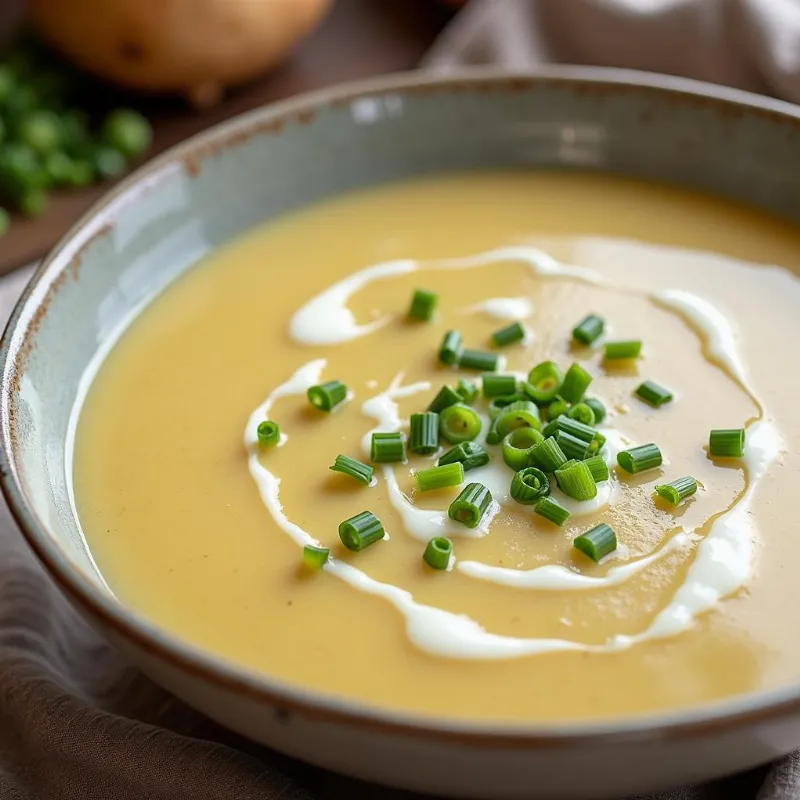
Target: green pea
40	130
32	202
20	170
127	131
5	221
59	168
74	131
82	174
109	163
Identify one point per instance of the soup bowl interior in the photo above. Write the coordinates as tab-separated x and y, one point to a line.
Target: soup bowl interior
168	215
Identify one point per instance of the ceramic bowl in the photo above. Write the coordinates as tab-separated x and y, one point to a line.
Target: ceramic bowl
159	221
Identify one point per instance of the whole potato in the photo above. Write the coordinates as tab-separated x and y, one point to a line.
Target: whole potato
192	47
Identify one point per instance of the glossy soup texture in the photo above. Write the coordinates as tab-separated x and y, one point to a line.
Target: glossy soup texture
203	533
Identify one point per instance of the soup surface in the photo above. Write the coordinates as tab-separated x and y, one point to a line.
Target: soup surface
202	530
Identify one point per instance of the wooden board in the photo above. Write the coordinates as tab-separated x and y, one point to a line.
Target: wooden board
358	38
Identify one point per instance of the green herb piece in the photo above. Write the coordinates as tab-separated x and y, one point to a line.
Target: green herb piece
598	408
552	511
582	412
598	467
548	455
437	552
576	382
677	490
653	394
543	383
355	469
639	459
576	481
572	446
268	433
597	542
468	391
521	414
492	435
361	531
459	423
450	349
423	436
515	332
558	407
478	359
498	385
470	506
529	485
440	477
326	396
314	557
446	396
588	329
517	446
726	443
423	305
615	351
497	405
387	448
469	454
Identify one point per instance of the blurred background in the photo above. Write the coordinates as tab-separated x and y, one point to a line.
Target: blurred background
91	88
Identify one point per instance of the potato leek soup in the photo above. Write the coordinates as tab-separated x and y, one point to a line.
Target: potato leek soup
510	446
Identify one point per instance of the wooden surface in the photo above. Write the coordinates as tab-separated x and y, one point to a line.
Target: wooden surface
358	38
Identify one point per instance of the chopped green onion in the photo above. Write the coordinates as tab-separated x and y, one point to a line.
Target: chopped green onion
459	423
598	408
446	396
572	446
387	448
440	477
517	446
675	491
355	469
558	407
470	454
548	455
492	435
498	385
543	383
582	412
726	443
588	329
576	481
598	467
639	459
521	414
470	506
423	435
552	511
515	332
361	531
450	348
437	552
571	426
497	405
576	382
468	391
268	432
529	485
613	351
598	542
326	396
478	359
653	394
315	557
423	305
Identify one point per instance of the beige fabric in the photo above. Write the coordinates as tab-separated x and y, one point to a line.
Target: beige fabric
77	722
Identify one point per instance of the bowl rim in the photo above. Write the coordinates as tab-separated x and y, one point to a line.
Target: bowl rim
693	722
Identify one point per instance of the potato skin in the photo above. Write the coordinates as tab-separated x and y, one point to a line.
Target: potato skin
191	47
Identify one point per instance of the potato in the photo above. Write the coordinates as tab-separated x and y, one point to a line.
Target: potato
191	47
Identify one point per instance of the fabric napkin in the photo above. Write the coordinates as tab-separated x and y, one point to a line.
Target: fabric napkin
78	723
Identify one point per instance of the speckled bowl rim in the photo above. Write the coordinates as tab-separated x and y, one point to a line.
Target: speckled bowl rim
695	722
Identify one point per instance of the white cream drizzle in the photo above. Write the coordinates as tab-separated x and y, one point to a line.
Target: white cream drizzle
511	308
723	558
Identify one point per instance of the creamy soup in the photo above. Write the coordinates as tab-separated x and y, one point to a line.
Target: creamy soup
202	529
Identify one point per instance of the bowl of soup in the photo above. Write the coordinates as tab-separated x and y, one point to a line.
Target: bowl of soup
440	431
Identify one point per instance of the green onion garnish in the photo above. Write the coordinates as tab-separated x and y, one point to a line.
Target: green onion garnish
423	435
387	448
548	455
576	481
558	407
675	491
529	485
268	432
423	305
572	446
727	443
355	469
543	383
639	459
598	408
588	329
440	477
515	332
459	423
498	385
582	412
613	351
361	531
571	426
517	446
598	467
437	552
468	391
470	454
521	414
497	405
492	435
446	396
478	359
598	542
552	511
450	348
470	506
653	394
315	557
326	396
576	382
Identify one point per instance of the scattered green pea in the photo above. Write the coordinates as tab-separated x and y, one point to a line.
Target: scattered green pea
127	131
